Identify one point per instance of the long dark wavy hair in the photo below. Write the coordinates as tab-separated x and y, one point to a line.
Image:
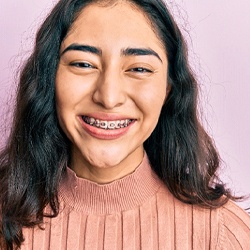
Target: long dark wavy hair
37	152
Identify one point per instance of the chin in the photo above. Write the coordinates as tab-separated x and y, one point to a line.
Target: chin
105	164
105	158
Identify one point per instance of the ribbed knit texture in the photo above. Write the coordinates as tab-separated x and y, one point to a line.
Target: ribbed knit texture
136	212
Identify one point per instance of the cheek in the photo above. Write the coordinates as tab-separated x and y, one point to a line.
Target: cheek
151	97
62	89
64	109
70	90
64	96
66	93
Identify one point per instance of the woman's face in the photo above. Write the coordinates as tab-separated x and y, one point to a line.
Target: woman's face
111	84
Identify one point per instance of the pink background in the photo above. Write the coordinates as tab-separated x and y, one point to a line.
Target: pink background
218	33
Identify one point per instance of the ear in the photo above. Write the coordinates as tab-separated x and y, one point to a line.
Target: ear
169	87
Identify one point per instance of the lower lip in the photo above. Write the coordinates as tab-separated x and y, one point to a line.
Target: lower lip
105	134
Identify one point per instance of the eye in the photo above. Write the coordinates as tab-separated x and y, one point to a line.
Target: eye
82	65
140	70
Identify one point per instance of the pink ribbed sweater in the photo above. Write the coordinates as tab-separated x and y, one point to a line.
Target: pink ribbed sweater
136	212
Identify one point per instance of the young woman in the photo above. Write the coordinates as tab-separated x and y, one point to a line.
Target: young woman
106	149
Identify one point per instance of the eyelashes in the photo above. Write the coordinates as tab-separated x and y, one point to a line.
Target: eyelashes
137	70
140	70
82	65
85	65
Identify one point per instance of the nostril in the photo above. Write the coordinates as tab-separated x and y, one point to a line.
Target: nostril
110	89
109	98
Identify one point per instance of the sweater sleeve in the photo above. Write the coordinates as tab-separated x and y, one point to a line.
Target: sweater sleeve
235	228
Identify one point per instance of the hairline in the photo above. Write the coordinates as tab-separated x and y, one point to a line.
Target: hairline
113	3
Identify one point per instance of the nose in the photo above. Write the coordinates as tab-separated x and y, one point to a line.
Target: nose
110	90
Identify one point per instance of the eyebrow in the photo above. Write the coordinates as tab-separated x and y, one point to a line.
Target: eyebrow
140	52
124	52
84	48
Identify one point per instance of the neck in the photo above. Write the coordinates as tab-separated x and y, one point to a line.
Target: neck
103	173
124	194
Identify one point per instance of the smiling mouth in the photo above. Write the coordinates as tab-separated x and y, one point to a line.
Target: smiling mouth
107	124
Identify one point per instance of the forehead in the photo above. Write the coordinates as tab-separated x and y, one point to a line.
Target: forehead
122	22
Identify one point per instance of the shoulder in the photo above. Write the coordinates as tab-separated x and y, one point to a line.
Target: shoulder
234	227
226	227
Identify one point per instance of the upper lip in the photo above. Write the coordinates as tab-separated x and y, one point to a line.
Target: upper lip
108	116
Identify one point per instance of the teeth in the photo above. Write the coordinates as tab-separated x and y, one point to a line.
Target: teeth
111	125
106	124
96	123
91	121
118	124
122	124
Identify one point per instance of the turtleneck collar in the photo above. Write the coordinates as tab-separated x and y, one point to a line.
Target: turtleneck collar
122	194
